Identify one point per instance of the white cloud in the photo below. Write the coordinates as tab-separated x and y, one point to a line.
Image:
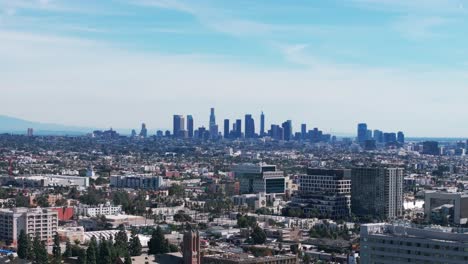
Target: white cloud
416	27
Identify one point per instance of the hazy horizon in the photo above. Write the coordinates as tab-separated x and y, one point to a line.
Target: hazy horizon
395	65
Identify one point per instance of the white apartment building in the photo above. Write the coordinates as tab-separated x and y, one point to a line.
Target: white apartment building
42	221
101	209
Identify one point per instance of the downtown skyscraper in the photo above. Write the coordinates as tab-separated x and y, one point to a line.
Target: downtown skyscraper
249	127
262	125
213	126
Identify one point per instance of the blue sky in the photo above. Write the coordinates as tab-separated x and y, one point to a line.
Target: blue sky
397	65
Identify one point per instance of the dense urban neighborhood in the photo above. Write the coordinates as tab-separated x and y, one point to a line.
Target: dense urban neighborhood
210	197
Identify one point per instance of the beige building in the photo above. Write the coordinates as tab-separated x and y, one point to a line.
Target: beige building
42	221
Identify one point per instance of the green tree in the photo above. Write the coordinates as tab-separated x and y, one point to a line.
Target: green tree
258	235
105	253
134	246
158	244
82	257
56	250
42	201
128	259
121	242
92	251
68	250
40	251
23	245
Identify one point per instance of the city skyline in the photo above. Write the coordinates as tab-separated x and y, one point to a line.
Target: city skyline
328	64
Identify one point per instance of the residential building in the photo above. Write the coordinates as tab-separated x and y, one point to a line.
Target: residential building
101	209
136	181
326	192
41	221
377	192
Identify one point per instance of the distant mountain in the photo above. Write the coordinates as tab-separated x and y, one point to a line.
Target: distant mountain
19	126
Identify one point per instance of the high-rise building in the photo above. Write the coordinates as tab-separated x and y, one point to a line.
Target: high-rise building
277	132
377	192
191	248
212	117
287	130
133	134
238	128
401	137
213	127
431	148
143	131
42	221
325	192
255	178
226	128
262	125
406	243
390	137
304	131
378	136
362	133
178	125
249	127
190	126
30	132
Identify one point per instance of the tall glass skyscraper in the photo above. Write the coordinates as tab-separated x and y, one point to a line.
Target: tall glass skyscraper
362	132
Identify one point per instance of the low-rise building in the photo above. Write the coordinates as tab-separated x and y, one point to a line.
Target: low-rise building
147	182
101	209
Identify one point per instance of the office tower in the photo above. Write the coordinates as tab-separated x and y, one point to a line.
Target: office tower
378	136
362	132
377	192
389	138
32	220
30	132
325	192
238	128
406	243
212	117
277	132
287	130
255	178
369	144
262	125
178	125
401	137
249	127
167	133
190	126
226	128
143	131
159	133
431	148
213	127
191	248
304	131
133	134
368	134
